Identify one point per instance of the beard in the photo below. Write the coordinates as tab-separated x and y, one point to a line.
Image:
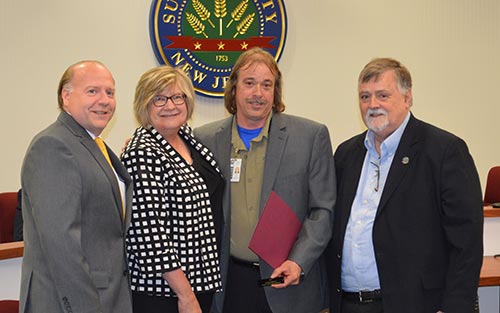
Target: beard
378	123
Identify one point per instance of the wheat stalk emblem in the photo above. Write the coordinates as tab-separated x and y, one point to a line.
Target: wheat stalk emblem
202	12
243	26
220	12
238	12
196	24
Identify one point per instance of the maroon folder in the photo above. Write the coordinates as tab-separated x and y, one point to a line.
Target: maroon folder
276	231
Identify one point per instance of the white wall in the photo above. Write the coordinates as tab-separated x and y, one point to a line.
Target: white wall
10	271
452	48
489	299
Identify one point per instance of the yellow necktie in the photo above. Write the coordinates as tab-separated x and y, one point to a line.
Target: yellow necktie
102	147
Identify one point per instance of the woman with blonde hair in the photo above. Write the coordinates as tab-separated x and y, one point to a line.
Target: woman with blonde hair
176	208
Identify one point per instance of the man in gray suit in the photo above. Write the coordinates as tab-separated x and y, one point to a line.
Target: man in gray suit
260	150
76	205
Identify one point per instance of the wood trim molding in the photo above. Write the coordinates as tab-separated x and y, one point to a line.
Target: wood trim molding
11	250
490	211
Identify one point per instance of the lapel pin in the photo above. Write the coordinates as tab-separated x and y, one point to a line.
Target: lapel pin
405	160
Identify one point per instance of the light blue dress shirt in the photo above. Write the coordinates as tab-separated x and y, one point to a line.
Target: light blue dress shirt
359	267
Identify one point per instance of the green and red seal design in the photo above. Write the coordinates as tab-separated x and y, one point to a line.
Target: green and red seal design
205	37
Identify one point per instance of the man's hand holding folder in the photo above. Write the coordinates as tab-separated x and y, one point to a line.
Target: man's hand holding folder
274	237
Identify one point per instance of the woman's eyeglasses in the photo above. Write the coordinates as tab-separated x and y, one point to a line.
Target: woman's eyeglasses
159	101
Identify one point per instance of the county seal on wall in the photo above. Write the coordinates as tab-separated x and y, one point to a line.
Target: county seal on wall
205	37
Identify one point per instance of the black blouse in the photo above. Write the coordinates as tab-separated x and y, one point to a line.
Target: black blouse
215	185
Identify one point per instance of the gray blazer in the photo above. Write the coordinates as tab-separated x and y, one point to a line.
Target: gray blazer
74	231
299	168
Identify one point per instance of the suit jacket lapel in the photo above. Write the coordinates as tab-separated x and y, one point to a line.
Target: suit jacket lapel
350	180
277	138
187	133
222	148
403	159
99	157
123	174
90	145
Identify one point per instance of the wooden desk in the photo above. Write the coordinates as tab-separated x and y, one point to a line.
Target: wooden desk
490	272
489	211
11	250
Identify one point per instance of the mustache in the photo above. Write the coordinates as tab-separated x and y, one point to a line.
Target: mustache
375	111
257	101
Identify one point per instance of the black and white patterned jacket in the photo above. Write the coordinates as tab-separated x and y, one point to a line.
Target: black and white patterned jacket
172	223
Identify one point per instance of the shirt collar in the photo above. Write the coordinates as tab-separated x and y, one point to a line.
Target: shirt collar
91	134
236	141
265	130
390	144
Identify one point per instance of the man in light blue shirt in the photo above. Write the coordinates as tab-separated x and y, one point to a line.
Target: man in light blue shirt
408	220
359	267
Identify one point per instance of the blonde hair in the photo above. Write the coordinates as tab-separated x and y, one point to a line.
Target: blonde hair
154	81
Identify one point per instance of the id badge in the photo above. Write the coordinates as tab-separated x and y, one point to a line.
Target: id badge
235	169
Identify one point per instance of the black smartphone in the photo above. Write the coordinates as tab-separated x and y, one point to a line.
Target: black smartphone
271	281
496	205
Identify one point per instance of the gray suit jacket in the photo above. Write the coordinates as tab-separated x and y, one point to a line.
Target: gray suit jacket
74	231
299	168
